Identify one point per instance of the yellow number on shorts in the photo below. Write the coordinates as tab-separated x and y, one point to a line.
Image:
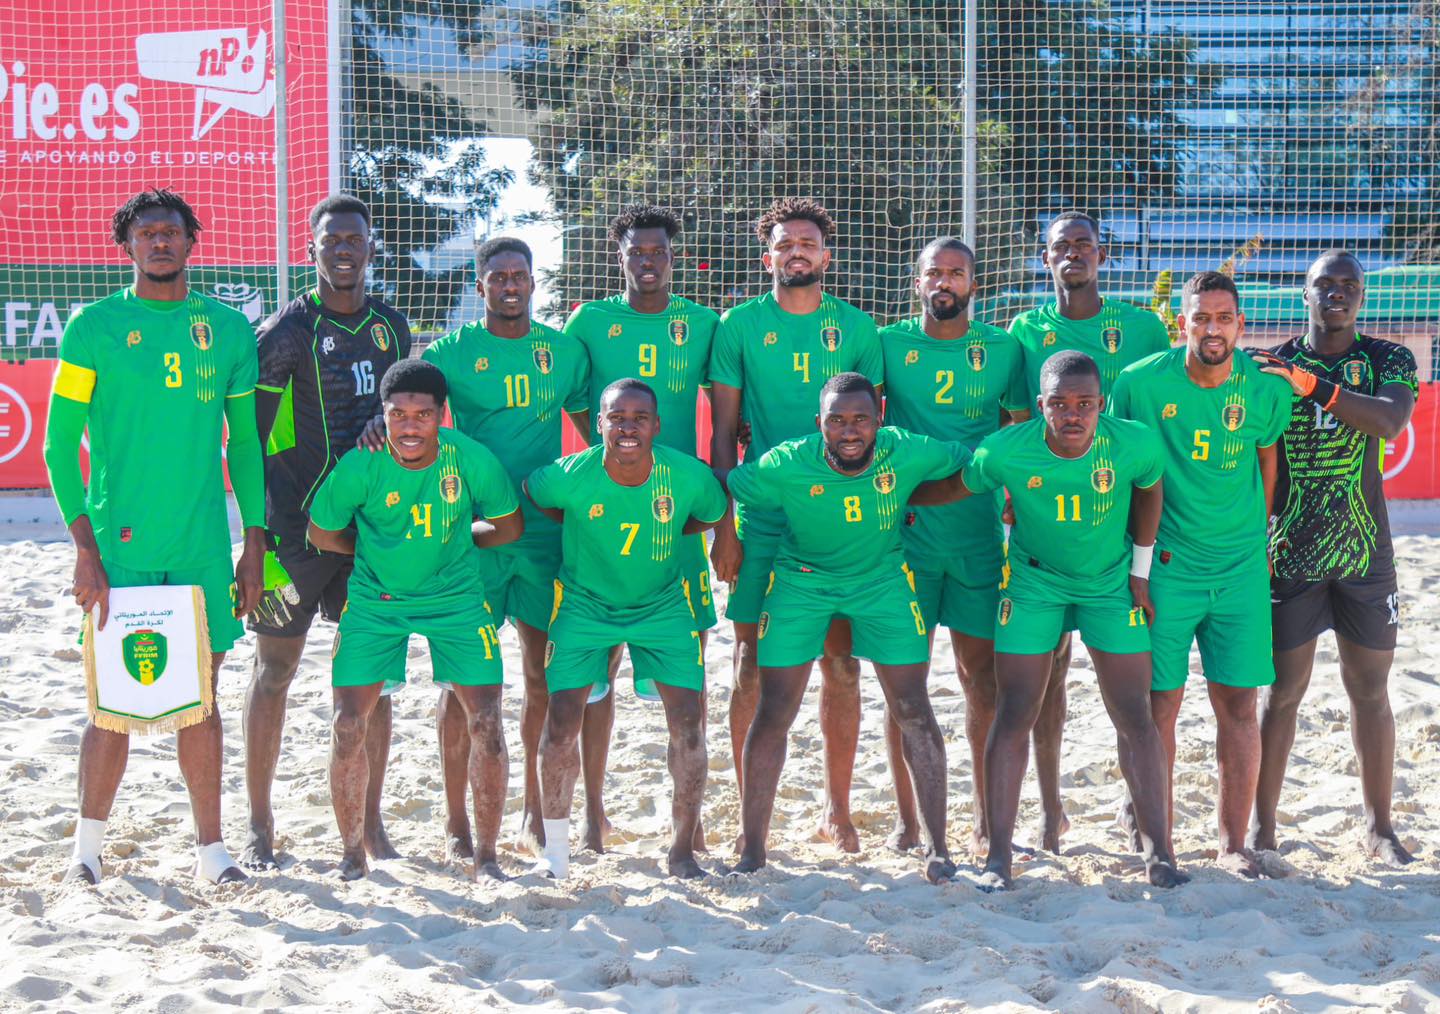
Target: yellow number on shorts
1137	617
517	390
802	366
946	380
1202	446
699	648
173	378
421	518
1060	507
919	617
489	640
852	509
633	530
705	597
647	360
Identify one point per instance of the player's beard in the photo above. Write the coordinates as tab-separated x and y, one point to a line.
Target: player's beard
801	281
956	307
1219	361
857	465
159	279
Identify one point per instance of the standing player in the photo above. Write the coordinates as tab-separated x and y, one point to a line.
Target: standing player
510	378
320	359
155	371
954	379
628	507
842	493
419	509
772	356
1334	566
1218	418
1077	480
1112	333
648	332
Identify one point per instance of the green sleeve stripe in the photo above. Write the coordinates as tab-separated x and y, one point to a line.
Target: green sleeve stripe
272	390
241	394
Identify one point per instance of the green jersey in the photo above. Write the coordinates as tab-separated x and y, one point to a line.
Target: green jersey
1071	514
1214	522
952	390
622	544
1120	334
511	394
412	525
670	351
843	526
156	376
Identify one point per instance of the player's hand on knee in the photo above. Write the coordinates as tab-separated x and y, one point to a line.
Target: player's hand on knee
92	586
1140	595
250	573
372	437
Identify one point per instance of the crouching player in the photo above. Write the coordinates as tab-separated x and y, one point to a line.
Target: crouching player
419	511
624	507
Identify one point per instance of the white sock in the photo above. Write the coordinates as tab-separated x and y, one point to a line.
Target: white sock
89	840
212	860
556	858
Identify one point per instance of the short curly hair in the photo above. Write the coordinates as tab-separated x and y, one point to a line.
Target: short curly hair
791	209
156	198
644	216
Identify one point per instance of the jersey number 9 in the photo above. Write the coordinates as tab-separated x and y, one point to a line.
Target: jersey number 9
648	358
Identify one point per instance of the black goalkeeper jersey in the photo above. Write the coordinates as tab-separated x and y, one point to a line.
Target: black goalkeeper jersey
1331	520
326	367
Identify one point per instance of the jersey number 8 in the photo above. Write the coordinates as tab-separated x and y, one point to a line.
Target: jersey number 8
852	509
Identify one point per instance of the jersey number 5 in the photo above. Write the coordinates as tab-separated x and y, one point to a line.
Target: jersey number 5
1202	446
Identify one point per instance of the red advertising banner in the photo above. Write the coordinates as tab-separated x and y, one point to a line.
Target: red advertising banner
100	100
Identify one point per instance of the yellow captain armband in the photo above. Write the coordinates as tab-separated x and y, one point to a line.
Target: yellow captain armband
74	382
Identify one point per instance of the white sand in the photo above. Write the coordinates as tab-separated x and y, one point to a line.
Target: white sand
813	932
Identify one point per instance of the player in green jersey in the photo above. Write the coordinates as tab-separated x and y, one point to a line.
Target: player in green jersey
771	357
1218	419
419	508
842	493
155	372
1330	542
649	332
627	509
1114	334
1078	481
510	380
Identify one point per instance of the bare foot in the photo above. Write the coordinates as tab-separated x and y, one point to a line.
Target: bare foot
1387	849
80	874
1165	874
1125	821
684	866
995	878
259	852
1261	840
593	838
939	869
490	870
1052	829
979	844
531	835
1240	862
739	848
748	864
903	839
353	867
697	840
459	848
377	844
231	875
840	833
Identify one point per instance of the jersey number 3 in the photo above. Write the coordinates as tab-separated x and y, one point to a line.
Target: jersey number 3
173	376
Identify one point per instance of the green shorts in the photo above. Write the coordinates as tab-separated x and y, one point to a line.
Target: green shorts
374	637
946	602
747	594
664	644
1031	617
520	581
217	581
1230	623
886	624
695	564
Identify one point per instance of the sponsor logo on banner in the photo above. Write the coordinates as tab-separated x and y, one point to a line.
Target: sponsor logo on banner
145	652
679	330
663	508
1233	416
227	67
1103	479
201	335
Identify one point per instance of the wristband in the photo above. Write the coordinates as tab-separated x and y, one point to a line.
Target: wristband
1308	381
1325	394
1140	559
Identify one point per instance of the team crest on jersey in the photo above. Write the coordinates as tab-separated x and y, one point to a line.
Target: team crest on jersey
1049	339
549	653
975	356
1170	411
381	337
1233	416
884	482
1112	339
392	498
597	510
679	331
912	357
1035	482
817	490
663	508
132	339
1103	479
450	488
482	364
830	338
615	331
1354	372
1006	609
201	335
764	624
544	361
770	338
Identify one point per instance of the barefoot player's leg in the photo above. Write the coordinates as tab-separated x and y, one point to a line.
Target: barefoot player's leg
840	734
350	772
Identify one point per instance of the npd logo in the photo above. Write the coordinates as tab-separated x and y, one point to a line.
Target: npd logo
221	64
242	296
